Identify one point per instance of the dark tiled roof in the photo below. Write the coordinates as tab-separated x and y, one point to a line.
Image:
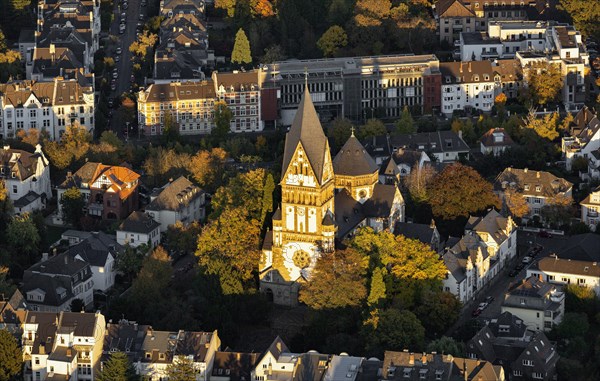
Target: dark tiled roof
95	249
421	232
310	367
380	204
440	141
507	325
307	130
531	287
353	160
139	222
466	72
277	347
23	201
489	138
180	91
348	213
581	247
175	195
85	174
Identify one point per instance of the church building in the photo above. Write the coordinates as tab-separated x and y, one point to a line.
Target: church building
313	187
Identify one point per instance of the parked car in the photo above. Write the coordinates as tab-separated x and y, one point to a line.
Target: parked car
526	260
117	58
544	234
483	305
122	28
489	299
141	18
119	50
476	312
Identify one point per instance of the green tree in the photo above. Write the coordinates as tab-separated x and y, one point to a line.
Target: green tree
340	131
446	345
223	118
393	330
241	53
6	207
11	357
544	81
22	235
245	190
466	128
150	290
228	5
558	210
418	182
438	311
406	123
459	191
77	305
338	281
273	54
207	168
170	133
585	15
118	368
573	325
371	13
182	369
373	127
267	197
110	138
72	203
183	238
129	262
332	40
377	295
3	45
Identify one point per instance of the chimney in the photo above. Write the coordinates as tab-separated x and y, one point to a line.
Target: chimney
424	359
460	134
42	349
52	52
537	174
525	170
411	359
44	257
460	68
69	353
66	259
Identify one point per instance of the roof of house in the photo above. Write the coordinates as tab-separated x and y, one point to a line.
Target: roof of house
80	324
490	138
348	212
436	142
177	91
519	179
139	222
452	8
507	325
306	130
568	266
509	70
277	347
588	199
194	344
492	223
531	287
175	195
581	247
341	366
21	163
353	160
466	72
479	38
407	156
238	80
237	366
422	232
311	366
95	249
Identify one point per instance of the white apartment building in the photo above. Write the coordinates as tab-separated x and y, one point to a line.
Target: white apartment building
590	207
584	138
139	229
241	92
564	272
27	178
178	201
277	363
65	346
468	85
45	106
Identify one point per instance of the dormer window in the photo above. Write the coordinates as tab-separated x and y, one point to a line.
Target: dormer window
538	188
448	80
476	77
526	187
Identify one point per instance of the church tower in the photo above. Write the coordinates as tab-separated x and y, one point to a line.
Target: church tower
355	170
304	225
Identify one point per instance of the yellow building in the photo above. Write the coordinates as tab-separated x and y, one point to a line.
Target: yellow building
318	196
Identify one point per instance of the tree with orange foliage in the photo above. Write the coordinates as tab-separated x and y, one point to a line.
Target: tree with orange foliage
262	8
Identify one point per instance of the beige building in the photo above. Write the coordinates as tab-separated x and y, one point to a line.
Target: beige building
590	206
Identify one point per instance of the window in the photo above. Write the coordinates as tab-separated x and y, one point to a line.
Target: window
526	187
37	361
528	362
517	373
537	375
580	281
538	188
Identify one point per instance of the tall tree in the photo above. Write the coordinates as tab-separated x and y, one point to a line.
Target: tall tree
585	15
373	127
22	235
446	346
332	40
11	357
545	127
207	168
241	53
228	5
393	330
406	123
72	203
544	81
267	197
377	293
338	281
3	45
170	132
558	210
182	369
150	290
340	131
369	13
459	191
419	181
118	368
223	118
515	203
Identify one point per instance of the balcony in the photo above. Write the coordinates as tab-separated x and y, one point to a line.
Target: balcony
592	213
95	209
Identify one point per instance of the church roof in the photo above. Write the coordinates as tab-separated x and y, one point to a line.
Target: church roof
353	160
306	129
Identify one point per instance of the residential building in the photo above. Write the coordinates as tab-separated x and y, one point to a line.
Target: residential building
539	188
26	44
590	206
277	363
433	366
399	164
524	354
565	272
73	237
427	234
321	199
46	106
455	16
190	104
583	139
12	312
509	78
110	192
172	8
485	249
241	92
139	229
159	349
344	367
53	283
100	251
233	366
580	247
178	201
26	177
468	86
62	345
541	305
495	141
353	87
444	146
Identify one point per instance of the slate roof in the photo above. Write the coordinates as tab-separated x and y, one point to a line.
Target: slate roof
381	202
348	212
507	325
488	139
421	232
492	223
436	142
353	160
581	247
95	249
311	366
80	324
125	337
277	347
235	365
531	287
306	129
389	167
341	366
175	195
22	163
521	178
139	222
407	156
466	72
